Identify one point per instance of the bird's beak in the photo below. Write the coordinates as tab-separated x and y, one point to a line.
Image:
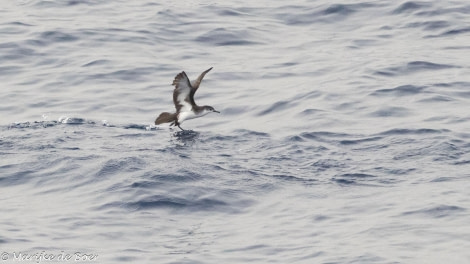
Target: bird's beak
216	111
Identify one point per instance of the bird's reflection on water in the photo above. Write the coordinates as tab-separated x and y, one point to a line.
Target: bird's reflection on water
186	136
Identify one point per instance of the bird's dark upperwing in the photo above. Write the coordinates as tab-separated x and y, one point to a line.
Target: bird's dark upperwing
195	84
181	94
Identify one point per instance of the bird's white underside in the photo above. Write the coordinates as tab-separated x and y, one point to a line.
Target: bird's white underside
186	115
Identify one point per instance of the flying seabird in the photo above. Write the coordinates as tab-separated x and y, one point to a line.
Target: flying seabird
183	98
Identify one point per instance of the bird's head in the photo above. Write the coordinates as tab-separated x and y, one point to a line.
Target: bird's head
209	109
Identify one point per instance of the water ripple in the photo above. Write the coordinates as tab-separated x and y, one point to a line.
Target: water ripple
223	37
411	6
413	67
298	15
403	90
437	211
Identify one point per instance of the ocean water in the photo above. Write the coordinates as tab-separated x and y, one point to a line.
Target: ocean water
344	133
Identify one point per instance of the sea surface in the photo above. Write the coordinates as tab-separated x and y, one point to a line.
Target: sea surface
343	137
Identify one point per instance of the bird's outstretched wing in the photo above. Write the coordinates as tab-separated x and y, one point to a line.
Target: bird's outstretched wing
181	94
195	84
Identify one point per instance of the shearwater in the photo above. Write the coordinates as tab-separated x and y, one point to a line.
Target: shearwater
183	98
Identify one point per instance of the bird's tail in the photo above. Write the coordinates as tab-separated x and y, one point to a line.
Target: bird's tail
165	117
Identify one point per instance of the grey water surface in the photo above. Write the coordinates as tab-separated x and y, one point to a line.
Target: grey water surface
344	133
